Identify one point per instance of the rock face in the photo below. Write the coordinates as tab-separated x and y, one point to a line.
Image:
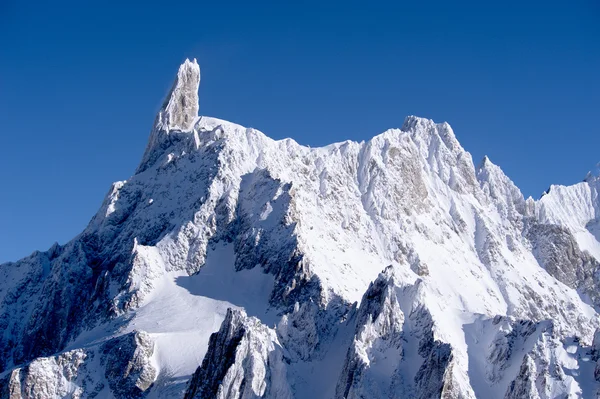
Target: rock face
254	269
120	368
395	352
129	371
556	250
181	107
244	360
178	113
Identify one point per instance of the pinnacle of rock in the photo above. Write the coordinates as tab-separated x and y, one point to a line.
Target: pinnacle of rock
181	105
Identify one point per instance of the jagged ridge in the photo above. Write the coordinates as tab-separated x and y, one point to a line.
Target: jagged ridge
276	248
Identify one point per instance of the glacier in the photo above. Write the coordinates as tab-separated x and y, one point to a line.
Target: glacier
231	265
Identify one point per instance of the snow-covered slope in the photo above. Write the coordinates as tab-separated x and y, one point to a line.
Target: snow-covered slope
235	266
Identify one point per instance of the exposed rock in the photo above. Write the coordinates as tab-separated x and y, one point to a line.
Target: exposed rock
123	363
377	340
434	378
181	106
558	252
244	360
129	370
383	359
178	113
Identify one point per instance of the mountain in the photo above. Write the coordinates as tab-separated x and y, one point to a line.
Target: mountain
231	265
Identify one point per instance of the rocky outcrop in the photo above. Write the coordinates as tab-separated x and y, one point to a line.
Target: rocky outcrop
377	349
127	361
39	312
178	113
393	355
558	252
244	360
541	374
66	375
120	367
528	359
434	378
181	106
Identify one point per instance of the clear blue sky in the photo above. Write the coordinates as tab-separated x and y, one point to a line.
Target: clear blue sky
80	83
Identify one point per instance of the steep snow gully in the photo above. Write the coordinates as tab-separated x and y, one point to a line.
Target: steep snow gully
231	265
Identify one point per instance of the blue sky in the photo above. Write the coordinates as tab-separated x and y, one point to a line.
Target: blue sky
80	83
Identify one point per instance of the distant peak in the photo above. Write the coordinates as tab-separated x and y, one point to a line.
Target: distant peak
593	175
485	163
180	108
488	171
412	122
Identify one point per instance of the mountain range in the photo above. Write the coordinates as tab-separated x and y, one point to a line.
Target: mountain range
231	265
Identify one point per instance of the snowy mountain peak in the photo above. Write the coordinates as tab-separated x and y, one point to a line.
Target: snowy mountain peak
484	162
232	265
594	174
487	170
181	105
414	123
178	113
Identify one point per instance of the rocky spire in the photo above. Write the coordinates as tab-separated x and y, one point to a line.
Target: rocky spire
180	108
178	112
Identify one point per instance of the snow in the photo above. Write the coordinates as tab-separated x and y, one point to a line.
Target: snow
576	207
346	247
182	312
191	308
211	195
